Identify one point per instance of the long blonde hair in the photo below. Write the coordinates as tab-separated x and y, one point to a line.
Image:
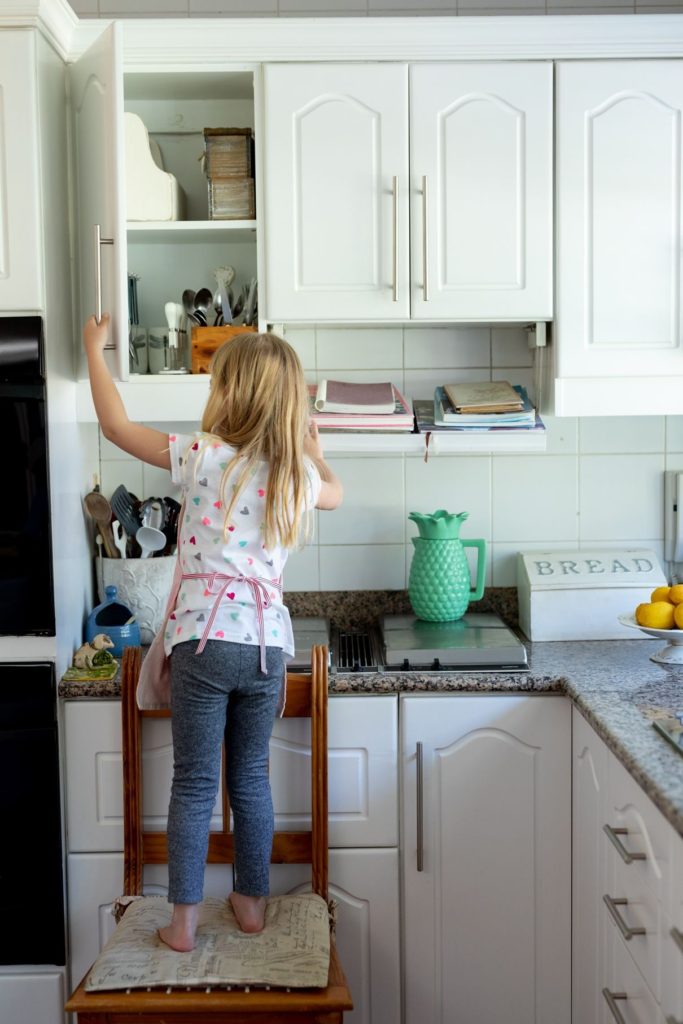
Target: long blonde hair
258	404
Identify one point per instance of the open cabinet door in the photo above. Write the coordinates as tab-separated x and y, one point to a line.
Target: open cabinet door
99	181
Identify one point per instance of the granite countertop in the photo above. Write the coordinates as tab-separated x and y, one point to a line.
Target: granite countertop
613	683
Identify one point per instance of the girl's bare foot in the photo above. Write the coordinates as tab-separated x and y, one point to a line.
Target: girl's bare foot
250	911
180	933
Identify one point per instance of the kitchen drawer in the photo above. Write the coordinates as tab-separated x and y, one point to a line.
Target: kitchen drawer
624	978
641	911
94	775
648	834
362	772
671	997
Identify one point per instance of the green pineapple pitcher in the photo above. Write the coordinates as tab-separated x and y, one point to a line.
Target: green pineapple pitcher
439	582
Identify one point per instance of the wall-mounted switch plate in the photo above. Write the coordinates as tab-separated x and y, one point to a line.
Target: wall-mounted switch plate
673	516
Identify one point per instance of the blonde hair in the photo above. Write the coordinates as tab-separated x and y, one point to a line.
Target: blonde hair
258	404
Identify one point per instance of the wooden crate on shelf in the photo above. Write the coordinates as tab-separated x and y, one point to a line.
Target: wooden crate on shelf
205	341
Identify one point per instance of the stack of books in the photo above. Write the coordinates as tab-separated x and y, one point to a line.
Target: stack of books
347	406
479	407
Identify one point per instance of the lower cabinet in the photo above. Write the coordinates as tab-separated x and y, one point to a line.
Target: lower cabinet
32	995
486	839
627	870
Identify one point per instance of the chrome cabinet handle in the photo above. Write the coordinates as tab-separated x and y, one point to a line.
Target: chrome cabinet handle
99	242
677	936
394	193
613	905
611	1000
613	836
425	247
420	807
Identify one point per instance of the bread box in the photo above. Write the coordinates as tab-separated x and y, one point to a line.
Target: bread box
577	595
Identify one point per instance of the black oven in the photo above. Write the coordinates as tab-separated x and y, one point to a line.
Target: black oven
26	592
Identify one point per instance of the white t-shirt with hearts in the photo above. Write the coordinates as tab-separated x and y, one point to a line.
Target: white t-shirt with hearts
197	464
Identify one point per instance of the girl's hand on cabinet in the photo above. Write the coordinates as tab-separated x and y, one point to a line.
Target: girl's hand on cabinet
95	334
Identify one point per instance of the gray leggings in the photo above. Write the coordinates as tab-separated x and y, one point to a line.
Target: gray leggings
221	693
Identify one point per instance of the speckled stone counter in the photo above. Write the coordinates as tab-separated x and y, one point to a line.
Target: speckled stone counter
613	684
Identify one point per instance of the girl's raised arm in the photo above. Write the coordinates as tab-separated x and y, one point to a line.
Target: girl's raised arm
143	442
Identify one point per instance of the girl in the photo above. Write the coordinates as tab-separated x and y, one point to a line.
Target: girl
249	479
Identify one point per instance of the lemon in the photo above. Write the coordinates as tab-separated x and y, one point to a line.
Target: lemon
656	615
675	594
678	616
664	594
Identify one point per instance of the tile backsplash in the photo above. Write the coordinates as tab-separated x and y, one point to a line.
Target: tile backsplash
600	482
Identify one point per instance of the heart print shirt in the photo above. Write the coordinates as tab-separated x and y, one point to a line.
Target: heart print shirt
215	600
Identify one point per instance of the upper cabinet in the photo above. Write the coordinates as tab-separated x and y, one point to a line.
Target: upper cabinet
395	192
619	175
21	263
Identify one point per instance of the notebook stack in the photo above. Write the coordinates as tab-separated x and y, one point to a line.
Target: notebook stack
480	407
363	408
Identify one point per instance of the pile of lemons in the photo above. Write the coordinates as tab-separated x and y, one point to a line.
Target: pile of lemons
664	610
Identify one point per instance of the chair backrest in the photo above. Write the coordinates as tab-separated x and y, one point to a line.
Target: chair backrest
306	698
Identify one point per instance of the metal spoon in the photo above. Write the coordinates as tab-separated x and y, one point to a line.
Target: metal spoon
202	304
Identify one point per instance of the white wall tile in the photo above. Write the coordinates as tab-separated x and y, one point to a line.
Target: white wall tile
510	347
674	434
456	483
117	471
248	8
409	6
331	7
421	383
524	376
367	376
373	508
302	571
427	347
363	567
84	8
621	496
302	340
534	499
157	483
621	434
132	8
562	435
473	6
504	558
373	348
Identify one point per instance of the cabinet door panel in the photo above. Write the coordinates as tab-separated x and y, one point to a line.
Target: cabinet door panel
31	996
588	868
21	268
364	883
619	221
481	141
488	918
362	772
97	111
335	137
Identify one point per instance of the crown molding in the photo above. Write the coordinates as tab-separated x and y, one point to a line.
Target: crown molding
213	42
53	18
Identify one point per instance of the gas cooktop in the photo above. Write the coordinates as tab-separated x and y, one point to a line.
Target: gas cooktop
480	640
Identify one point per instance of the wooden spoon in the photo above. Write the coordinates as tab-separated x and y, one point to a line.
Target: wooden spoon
100	509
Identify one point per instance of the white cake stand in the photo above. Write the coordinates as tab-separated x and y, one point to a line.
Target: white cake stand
672	654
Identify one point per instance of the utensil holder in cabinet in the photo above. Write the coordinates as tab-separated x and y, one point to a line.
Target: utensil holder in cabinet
206	340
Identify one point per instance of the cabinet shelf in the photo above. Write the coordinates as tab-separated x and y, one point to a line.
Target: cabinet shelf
149	398
191	231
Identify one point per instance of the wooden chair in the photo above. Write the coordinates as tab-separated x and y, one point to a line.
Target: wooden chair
306	697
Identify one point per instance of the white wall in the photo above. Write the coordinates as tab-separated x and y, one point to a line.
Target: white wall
360	8
599	483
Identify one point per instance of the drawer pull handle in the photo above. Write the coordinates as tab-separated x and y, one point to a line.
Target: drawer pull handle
677	936
420	807
613	836
611	1000
613	905
394	208
425	244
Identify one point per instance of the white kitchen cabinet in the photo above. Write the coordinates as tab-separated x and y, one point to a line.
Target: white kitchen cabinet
32	995
589	765
21	241
363	772
337	187
365	886
618	343
486	837
481	137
